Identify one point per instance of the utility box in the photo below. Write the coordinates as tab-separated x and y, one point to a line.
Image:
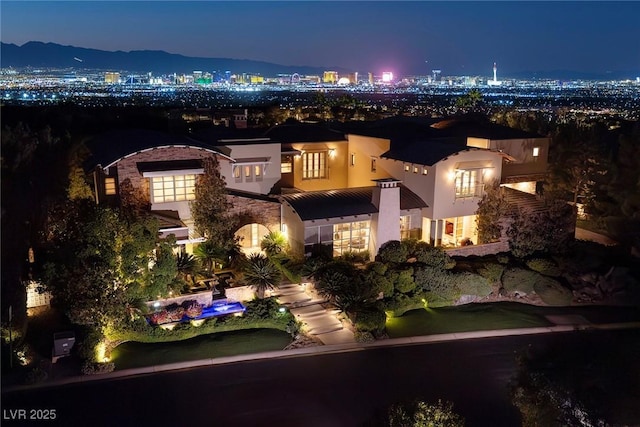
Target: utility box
62	344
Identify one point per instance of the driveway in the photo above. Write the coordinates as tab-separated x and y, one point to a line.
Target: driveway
306	305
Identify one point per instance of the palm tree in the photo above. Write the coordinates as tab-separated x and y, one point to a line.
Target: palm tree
187	266
261	274
273	243
207	253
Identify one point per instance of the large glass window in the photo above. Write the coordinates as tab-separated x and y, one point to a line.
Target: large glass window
314	165
468	183
175	188
405	227
345	237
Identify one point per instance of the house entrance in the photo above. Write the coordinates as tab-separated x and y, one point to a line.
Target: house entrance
250	237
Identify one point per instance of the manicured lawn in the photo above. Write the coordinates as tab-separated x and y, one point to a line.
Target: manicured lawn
502	315
135	355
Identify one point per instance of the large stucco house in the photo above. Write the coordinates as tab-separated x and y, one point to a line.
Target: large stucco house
349	186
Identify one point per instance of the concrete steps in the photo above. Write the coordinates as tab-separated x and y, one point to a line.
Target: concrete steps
322	331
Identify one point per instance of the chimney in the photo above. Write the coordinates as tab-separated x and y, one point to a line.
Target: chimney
385	224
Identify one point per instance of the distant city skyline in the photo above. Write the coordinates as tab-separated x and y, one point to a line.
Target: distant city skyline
402	37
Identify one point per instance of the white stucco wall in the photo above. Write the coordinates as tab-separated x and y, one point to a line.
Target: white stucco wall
271	172
443	203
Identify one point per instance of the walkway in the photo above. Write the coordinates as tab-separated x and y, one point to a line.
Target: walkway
583	234
317	321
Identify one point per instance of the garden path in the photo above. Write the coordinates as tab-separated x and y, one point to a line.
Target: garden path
308	308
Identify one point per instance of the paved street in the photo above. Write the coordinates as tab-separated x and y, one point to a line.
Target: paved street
341	389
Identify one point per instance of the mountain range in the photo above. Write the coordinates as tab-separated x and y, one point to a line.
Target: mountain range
51	55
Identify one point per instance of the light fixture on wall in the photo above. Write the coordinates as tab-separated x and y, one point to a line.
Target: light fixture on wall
332	152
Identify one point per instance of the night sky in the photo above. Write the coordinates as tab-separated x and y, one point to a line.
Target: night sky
460	38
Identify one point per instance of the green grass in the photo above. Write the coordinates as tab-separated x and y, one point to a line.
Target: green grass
503	315
135	355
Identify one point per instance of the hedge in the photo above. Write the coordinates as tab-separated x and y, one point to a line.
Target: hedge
544	266
519	280
553	293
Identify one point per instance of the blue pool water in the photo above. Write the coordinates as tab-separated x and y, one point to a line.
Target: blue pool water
217	309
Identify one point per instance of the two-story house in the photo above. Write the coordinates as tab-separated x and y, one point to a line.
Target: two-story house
351	187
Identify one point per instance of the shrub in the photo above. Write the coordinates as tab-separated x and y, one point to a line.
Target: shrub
552	293
95	368
374	277
544	266
262	308
472	284
432	256
419	413
362	337
401	303
439	286
403	281
492	272
371	320
519	280
393	252
355	257
503	259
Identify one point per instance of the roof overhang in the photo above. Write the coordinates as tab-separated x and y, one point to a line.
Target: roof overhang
474	165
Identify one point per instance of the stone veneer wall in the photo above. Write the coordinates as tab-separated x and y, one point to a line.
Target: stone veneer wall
479	250
260	211
240	293
205	298
127	167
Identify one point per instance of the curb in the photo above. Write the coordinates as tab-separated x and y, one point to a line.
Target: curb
326	349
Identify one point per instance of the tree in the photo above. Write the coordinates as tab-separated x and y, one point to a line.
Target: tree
261	274
98	261
345	285
187	266
470	100
577	163
492	210
548	231
210	208
421	414
78	186
273	243
208	253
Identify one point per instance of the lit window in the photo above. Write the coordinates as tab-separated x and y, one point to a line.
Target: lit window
247	171
314	165
405	227
286	166
110	186
407	168
425	171
415	169
373	165
536	151
176	188
467	184
257	170
236	172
